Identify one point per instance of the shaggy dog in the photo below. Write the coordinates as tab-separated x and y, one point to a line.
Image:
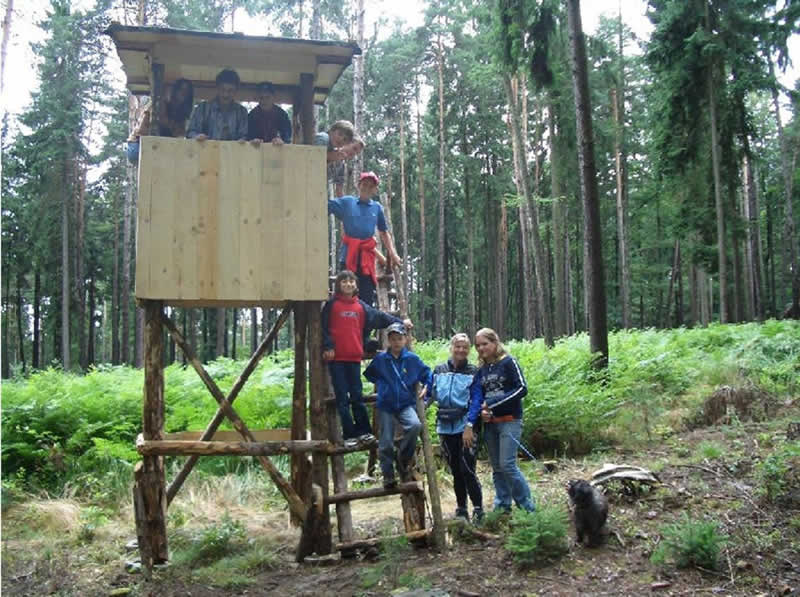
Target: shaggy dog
590	511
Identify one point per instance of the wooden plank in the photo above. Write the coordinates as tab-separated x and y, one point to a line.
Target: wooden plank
295	213
203	448
144	239
349	496
227	217
184	220
316	220
206	187
164	183
274	232
251	223
411	536
261	435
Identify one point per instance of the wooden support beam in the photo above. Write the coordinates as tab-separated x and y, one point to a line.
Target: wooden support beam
300	464
212	427
156	96
295	503
261	435
149	494
412	536
216	448
319	423
344	518
433	484
307	120
349	496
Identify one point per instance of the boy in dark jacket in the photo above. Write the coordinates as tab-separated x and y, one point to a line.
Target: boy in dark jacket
395	373
346	321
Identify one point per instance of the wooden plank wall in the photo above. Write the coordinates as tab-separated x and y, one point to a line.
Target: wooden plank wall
227	224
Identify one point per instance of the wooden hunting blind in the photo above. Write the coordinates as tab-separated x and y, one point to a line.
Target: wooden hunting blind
224	224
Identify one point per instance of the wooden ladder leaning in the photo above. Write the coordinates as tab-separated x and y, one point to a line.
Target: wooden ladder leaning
411	490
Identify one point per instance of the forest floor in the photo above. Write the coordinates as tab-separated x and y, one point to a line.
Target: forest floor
58	547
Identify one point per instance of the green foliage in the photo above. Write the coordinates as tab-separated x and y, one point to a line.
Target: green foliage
538	535
690	543
780	471
709	450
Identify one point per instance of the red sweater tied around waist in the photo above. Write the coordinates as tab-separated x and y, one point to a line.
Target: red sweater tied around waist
363	251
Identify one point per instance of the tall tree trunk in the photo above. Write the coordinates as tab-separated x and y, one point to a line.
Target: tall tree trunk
138	339
37	324
595	283
560	230
791	274
468	222
253	330
115	287
79	285
719	206
751	211
220	345
127	248
528	314
423	267
90	357
20	311
7	21
438	313
358	89
234	325
738	308
5	352
65	205
539	257
404	206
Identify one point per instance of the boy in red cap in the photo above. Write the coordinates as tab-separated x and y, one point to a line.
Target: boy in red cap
360	217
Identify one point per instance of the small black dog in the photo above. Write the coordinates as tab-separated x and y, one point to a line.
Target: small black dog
591	511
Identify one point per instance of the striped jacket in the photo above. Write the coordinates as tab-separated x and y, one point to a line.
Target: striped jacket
502	386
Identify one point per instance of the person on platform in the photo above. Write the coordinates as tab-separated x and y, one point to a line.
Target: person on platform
220	119
174	112
346	321
396	374
360	217
268	122
343	144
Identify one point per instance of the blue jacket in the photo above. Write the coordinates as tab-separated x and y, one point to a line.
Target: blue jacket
395	379
451	390
502	386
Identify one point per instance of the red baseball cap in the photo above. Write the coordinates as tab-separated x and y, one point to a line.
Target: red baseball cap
372	175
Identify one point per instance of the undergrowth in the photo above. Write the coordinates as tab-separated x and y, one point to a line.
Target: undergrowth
690	542
539	535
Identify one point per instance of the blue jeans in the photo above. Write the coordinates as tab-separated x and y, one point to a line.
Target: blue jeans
409	421
132	151
508	480
346	380
366	289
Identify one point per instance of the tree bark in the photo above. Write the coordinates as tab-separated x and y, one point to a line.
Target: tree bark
791	275
300	464
595	283
718	204
115	287
560	230
20	311
403	205
468	222
423	237
90	356
358	89
7	21
127	206
37	323
539	258
438	311
65	337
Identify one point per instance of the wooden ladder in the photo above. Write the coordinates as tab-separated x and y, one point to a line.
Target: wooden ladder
411	491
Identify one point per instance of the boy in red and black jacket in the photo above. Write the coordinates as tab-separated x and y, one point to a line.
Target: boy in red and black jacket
346	322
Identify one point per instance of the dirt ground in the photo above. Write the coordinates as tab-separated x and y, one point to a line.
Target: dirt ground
707	473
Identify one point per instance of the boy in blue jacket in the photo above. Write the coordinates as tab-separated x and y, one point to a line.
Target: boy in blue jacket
395	373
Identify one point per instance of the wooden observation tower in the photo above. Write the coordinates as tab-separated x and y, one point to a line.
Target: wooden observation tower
224	224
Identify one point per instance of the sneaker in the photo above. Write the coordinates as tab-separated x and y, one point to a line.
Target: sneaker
463	514
390	483
367	438
477	515
351	443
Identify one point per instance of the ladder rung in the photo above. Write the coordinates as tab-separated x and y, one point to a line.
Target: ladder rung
366	398
349	496
412	536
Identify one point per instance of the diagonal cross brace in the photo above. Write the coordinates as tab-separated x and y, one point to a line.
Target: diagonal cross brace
226	411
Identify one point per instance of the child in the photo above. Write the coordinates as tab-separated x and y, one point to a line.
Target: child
343	144
360	217
451	390
395	373
346	320
498	388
